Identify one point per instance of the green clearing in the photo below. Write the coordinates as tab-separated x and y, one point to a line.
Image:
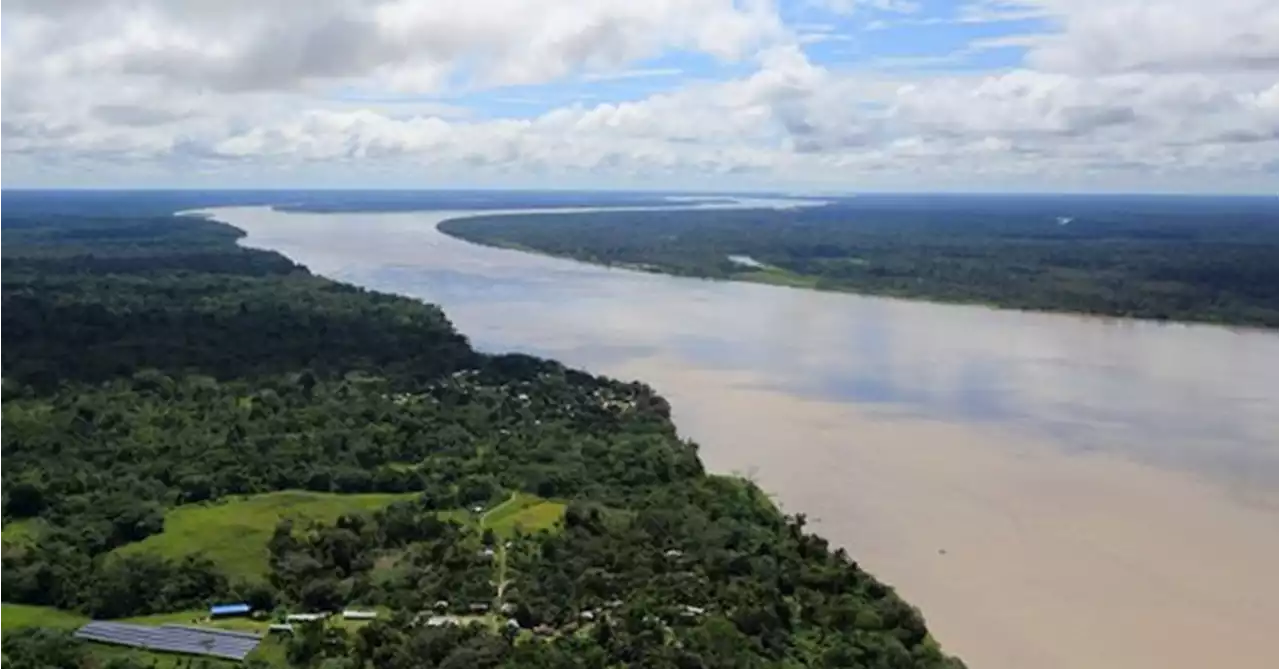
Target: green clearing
530	512
21	532
14	616
234	533
200	618
775	276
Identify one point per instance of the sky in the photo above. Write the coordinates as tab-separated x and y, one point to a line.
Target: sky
815	96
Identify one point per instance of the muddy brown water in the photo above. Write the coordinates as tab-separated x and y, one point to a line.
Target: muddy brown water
1051	490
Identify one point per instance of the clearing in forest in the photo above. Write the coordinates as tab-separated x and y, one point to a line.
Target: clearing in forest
528	512
13	616
233	533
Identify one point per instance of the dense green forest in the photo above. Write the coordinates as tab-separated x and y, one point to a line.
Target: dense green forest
1189	259
152	367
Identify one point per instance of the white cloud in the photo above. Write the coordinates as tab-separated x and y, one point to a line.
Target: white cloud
1156	94
1101	36
237	45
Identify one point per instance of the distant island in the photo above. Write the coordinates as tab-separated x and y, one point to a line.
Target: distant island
199	435
1209	260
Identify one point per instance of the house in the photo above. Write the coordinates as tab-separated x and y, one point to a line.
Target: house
673	553
352	614
228	610
587	615
441	621
513	624
442	605
280	628
479	607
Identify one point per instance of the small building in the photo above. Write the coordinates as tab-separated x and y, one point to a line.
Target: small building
441	621
280	628
352	614
587	615
513	624
692	611
479	607
442	605
544	630
228	610
673	553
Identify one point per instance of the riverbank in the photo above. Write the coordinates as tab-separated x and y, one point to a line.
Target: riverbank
1043	454
1146	265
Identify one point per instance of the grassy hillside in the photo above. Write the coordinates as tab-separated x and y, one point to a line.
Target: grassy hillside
234	533
528	512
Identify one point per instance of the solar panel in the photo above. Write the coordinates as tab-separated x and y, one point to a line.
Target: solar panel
235	633
227	644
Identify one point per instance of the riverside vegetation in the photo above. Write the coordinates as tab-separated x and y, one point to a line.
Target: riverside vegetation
1163	258
188	421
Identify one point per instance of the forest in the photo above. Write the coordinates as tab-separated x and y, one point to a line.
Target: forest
174	402
1162	258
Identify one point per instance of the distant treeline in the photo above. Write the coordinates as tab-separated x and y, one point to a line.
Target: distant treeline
1187	259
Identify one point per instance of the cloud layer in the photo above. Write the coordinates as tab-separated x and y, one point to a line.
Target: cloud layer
1102	94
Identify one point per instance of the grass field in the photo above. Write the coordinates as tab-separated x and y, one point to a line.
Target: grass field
13	616
234	532
526	511
200	618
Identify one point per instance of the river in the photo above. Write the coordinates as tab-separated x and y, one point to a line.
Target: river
1052	491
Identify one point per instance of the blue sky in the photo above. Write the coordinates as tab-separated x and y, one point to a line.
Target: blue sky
931	36
819	95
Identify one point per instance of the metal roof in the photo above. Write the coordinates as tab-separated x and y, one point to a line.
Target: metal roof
218	609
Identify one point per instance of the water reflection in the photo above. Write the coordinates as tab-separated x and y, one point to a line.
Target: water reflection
994	420
1199	398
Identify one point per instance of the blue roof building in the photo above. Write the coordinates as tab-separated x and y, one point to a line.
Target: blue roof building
221	610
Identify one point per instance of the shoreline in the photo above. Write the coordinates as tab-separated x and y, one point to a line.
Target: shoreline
930	299
1111	319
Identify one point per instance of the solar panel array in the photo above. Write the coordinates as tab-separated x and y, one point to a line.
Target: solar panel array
225	644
